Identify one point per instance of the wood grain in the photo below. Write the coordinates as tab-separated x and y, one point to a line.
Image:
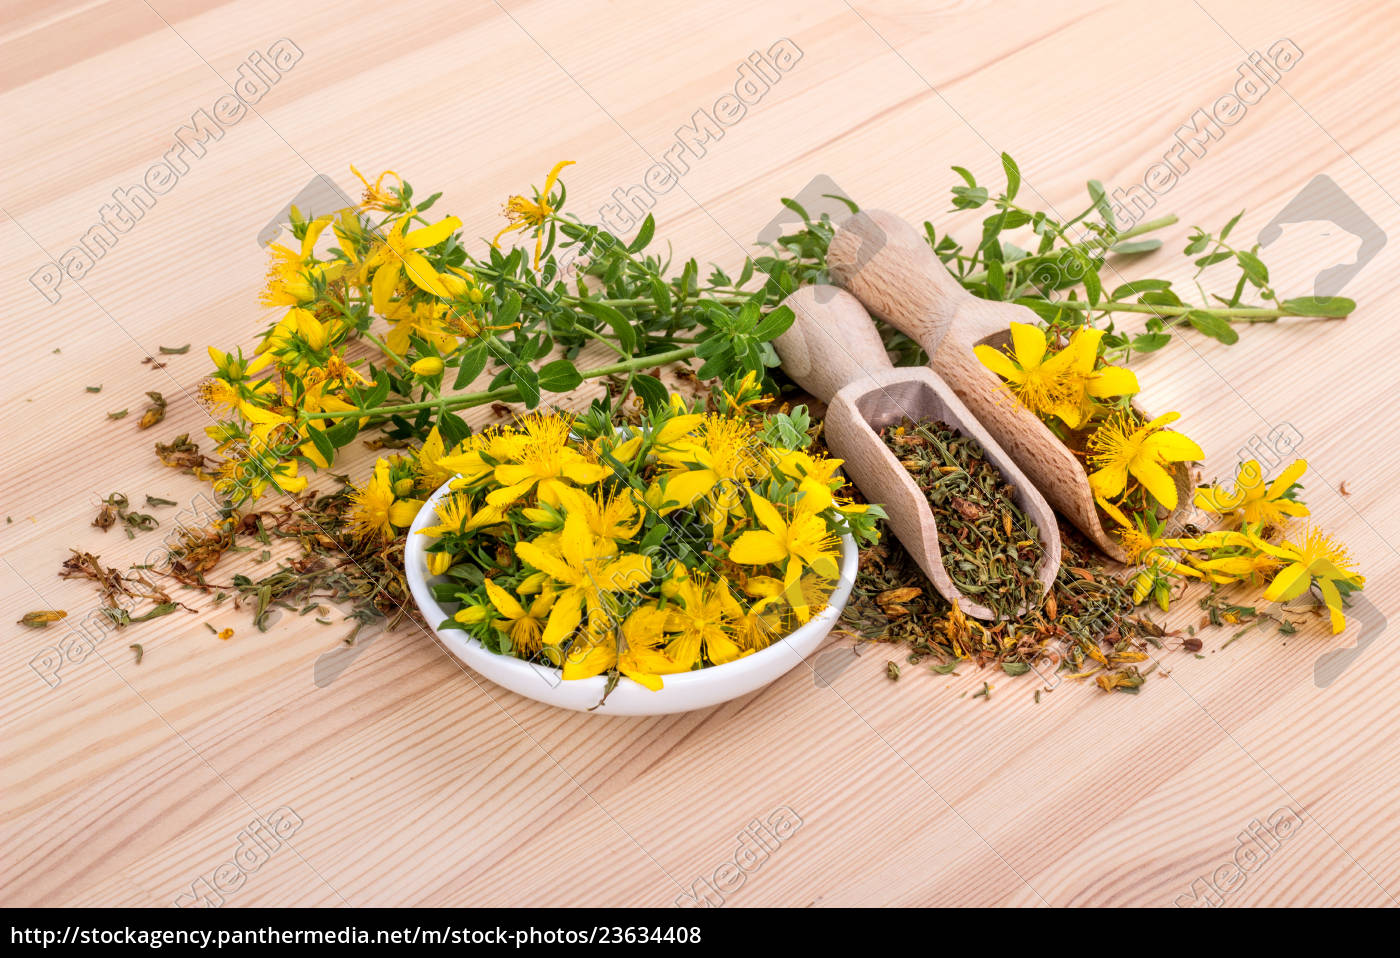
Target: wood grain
417	783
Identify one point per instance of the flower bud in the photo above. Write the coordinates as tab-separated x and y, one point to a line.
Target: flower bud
427	366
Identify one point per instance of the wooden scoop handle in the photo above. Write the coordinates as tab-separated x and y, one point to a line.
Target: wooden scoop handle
831	342
885	262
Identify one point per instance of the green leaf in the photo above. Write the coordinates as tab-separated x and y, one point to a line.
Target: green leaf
621	326
969	197
528	381
1211	259
651	390
968	178
509	308
1134	247
1214	326
660	295
644	235
1093	286
1315	306
1231	225
559	376
1140	286
1161	297
473	362
323	444
1099	196
342	434
453	429
774	324
1253	267
1013	176
996	279
1150	342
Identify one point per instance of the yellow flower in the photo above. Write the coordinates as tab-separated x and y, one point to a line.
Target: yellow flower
431	470
748	393
640	659
478	455
547	464
576	562
704	625
250	475
716	462
457	515
292	275
439	563
376	197
815	475
1120	448
425	320
524	626
524	214
1252	502
235	369
376	511
1313	558
399	254
803	543
612	518
1057	384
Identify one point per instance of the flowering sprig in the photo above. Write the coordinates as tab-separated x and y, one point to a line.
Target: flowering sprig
385	318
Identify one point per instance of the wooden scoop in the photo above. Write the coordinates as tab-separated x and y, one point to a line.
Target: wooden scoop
887	264
833	350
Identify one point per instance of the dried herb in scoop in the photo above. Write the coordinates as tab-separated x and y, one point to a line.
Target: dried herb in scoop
991	549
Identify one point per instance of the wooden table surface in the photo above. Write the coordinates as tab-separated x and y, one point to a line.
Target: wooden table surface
416	783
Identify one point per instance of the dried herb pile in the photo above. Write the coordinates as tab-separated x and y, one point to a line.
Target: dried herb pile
991	548
1086	627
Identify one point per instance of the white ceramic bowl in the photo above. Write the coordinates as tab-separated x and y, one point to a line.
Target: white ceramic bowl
680	693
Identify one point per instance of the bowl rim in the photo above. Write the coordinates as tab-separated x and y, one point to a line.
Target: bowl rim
420	586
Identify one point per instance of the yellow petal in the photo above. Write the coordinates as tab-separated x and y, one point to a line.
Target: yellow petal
1292	582
503	601
1108	482
684	488
551	565
386	281
1333	598
758	548
432	235
593	659
564	618
1113	381
1028	343
404	511
768	515
624	573
999	363
1173	446
1157	480
1286	478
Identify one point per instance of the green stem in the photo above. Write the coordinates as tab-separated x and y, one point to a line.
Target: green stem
504	393
591	334
646	301
1160	223
1242	314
